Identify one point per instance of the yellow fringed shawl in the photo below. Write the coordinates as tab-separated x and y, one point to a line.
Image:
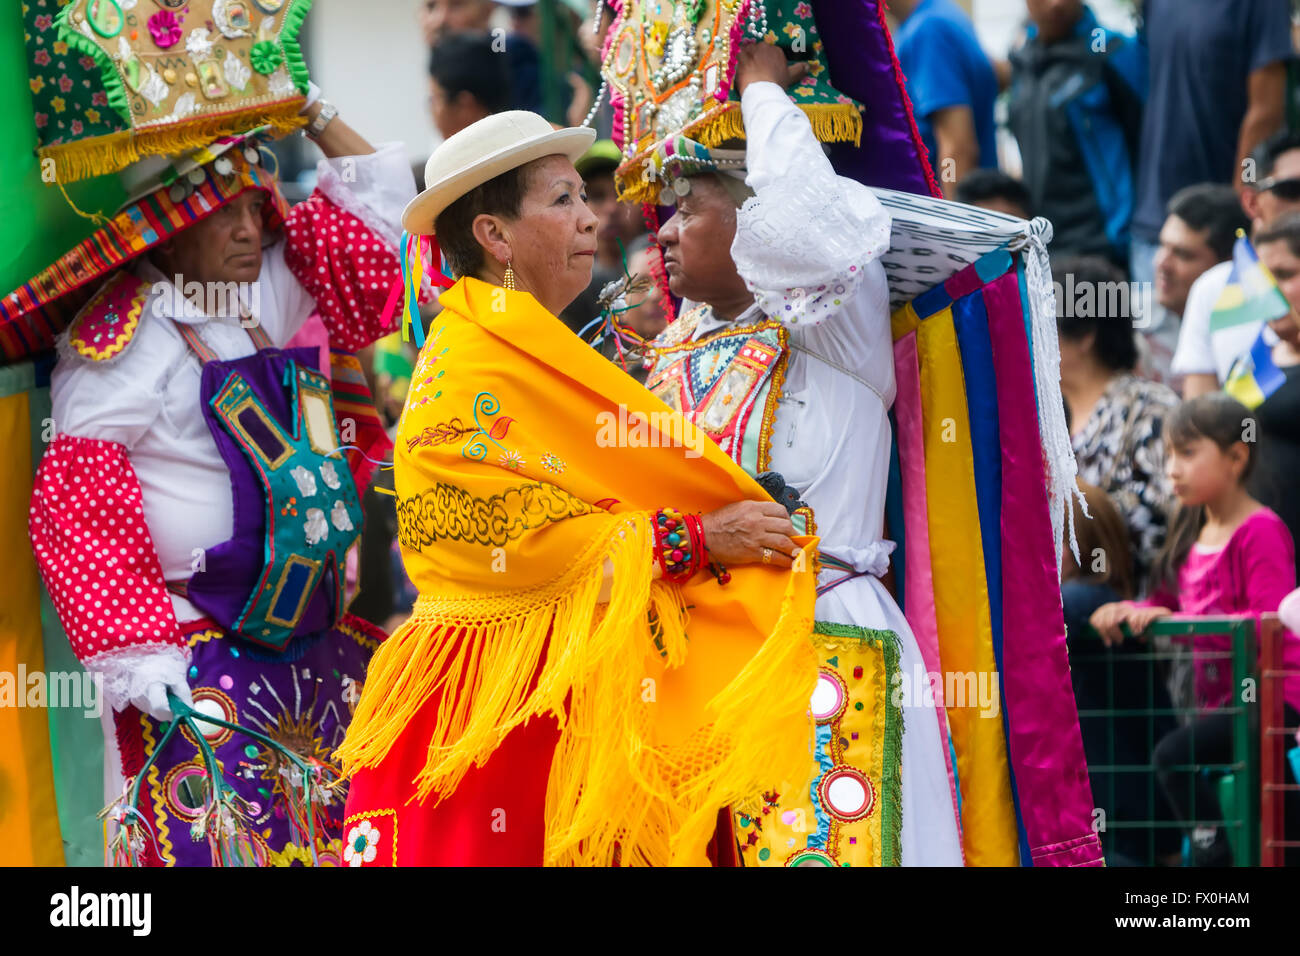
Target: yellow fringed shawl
517	488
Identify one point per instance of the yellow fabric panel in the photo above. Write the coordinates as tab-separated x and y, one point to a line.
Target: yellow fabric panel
29	822
961	595
858	737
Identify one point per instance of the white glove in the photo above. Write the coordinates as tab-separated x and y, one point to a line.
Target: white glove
154	699
313	94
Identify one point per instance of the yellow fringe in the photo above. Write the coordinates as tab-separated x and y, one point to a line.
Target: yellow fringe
102	155
831	123
613	796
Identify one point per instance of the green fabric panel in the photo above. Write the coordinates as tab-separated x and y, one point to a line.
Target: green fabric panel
36	223
76	740
15	379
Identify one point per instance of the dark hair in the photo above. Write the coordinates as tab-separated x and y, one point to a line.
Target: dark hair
1220	418
1113	342
500	196
1213	207
1267	153
1285	228
466	63
982	184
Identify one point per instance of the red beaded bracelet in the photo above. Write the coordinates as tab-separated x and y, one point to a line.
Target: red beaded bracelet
679	544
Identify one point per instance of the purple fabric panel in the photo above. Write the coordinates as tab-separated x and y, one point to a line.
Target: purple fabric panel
1046	748
860	56
231	569
273	697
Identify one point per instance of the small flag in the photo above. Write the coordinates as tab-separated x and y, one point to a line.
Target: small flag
1251	294
1254	377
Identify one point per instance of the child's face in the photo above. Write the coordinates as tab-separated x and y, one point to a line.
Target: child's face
1201	471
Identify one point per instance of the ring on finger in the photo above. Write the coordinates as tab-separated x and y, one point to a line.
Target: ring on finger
767	555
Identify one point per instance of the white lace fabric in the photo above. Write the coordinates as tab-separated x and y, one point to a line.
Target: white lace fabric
805	237
369	187
1062	467
128	671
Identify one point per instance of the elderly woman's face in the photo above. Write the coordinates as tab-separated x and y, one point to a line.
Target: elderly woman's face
553	242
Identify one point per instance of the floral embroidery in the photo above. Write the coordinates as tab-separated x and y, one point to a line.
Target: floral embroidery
165	29
198	44
361	846
513	460
339	516
315	528
553	463
306	481
265	56
440	434
485	403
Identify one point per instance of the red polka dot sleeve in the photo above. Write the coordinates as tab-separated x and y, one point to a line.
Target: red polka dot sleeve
93	547
346	267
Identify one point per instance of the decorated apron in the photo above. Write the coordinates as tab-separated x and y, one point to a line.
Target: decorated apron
848	812
276	652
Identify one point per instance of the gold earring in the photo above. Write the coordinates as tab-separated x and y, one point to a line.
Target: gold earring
509	279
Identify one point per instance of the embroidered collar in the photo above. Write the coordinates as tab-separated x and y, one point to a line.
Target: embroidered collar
708	322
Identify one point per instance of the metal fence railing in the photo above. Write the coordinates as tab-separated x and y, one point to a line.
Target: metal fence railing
1277	746
1131	699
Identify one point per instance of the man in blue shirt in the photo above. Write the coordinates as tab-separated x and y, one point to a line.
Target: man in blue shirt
952	86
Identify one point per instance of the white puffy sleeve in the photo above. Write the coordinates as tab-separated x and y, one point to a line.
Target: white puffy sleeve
340	253
804	240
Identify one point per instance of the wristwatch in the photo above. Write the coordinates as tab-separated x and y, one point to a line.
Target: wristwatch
317	126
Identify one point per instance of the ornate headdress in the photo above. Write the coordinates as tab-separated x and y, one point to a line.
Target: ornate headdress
670	66
166	92
115	80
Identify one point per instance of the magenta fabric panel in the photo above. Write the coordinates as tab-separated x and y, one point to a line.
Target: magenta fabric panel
1046	748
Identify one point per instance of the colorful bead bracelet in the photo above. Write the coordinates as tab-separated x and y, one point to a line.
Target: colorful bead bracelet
679	544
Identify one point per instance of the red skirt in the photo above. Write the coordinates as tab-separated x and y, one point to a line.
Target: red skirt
496	817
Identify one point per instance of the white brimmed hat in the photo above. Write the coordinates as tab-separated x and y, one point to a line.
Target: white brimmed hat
483	151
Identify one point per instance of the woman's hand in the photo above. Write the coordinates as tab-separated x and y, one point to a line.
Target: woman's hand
739	533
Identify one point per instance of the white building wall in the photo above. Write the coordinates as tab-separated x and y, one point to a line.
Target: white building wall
370	61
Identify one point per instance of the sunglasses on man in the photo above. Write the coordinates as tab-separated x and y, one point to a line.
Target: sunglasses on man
1287	190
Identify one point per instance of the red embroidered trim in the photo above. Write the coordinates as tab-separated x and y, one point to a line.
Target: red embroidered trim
922	153
104	327
130	745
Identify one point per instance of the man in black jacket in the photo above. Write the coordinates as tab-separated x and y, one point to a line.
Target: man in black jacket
1076	110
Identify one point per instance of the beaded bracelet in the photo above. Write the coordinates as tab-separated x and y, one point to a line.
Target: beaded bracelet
679	544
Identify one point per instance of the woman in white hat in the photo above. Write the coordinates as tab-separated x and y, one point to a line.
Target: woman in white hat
565	528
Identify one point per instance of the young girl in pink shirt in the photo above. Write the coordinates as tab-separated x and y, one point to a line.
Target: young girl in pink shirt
1225	554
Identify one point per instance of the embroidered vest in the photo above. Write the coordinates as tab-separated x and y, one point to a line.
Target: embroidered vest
279	413
728	383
